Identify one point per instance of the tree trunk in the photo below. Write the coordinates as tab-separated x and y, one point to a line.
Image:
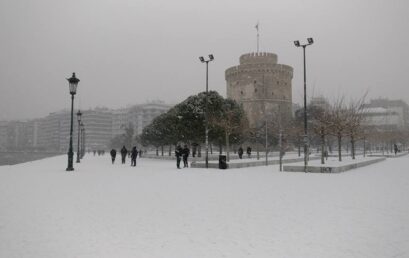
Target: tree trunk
162	149
227	147
258	152
299	145
353	147
322	148
157	151
199	151
339	147
170	150
220	148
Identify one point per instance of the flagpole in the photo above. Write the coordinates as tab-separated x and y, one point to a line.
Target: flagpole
258	37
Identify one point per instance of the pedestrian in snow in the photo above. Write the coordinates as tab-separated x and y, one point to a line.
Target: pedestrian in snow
249	151
395	148
113	155
240	152
185	154
134	155
178	154
124	151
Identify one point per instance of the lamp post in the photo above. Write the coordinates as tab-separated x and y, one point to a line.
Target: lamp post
211	58
79	135
82	140
297	44
73	83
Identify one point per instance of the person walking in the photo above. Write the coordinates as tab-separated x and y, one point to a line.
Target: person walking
134	155
185	155
178	154
240	152
124	151
395	148
113	155
249	151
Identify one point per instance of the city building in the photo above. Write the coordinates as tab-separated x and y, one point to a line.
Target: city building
3	135
52	133
262	86
387	114
320	102
138	116
98	128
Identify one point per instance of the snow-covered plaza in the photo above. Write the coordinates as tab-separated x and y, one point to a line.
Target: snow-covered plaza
156	210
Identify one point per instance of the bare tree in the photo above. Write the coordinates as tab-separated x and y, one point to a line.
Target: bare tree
354	117
321	125
337	121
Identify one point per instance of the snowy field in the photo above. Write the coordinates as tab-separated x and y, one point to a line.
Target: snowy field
155	210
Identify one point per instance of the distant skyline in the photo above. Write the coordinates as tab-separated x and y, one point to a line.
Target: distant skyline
128	52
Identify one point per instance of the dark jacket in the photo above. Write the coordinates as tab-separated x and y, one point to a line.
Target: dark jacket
113	153
124	151
185	152
134	153
178	152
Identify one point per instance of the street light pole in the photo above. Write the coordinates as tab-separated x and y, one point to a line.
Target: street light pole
211	58
82	140
79	135
297	44
73	83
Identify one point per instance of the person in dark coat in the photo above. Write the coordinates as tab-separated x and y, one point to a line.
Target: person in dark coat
185	155
240	152
134	155
395	148
124	151
113	155
178	154
249	151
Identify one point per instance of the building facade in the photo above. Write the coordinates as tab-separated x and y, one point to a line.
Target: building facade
138	116
52	133
387	114
262	86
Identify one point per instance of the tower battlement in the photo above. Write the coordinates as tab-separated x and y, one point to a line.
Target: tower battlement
258	58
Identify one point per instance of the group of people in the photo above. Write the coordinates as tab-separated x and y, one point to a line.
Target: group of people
133	154
182	153
240	152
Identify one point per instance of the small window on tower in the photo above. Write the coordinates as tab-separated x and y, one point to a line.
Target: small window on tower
255	89
241	92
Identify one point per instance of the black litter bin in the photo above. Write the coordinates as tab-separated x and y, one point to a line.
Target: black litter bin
222	162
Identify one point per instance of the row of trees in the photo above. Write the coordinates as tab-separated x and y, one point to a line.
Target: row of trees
339	124
338	120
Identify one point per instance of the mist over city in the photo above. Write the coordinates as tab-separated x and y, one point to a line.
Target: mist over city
132	52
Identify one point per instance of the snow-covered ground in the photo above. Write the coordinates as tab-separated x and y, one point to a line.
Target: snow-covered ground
155	210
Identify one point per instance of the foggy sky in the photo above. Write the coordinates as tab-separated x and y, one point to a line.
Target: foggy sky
128	52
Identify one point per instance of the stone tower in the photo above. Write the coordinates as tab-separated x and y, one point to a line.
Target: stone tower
262	86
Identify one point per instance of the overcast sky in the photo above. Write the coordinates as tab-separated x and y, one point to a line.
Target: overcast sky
128	51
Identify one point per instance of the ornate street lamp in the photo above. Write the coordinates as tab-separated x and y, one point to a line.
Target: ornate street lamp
297	44
211	58
79	136
73	83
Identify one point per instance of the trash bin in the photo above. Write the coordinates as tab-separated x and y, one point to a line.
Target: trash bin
222	162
